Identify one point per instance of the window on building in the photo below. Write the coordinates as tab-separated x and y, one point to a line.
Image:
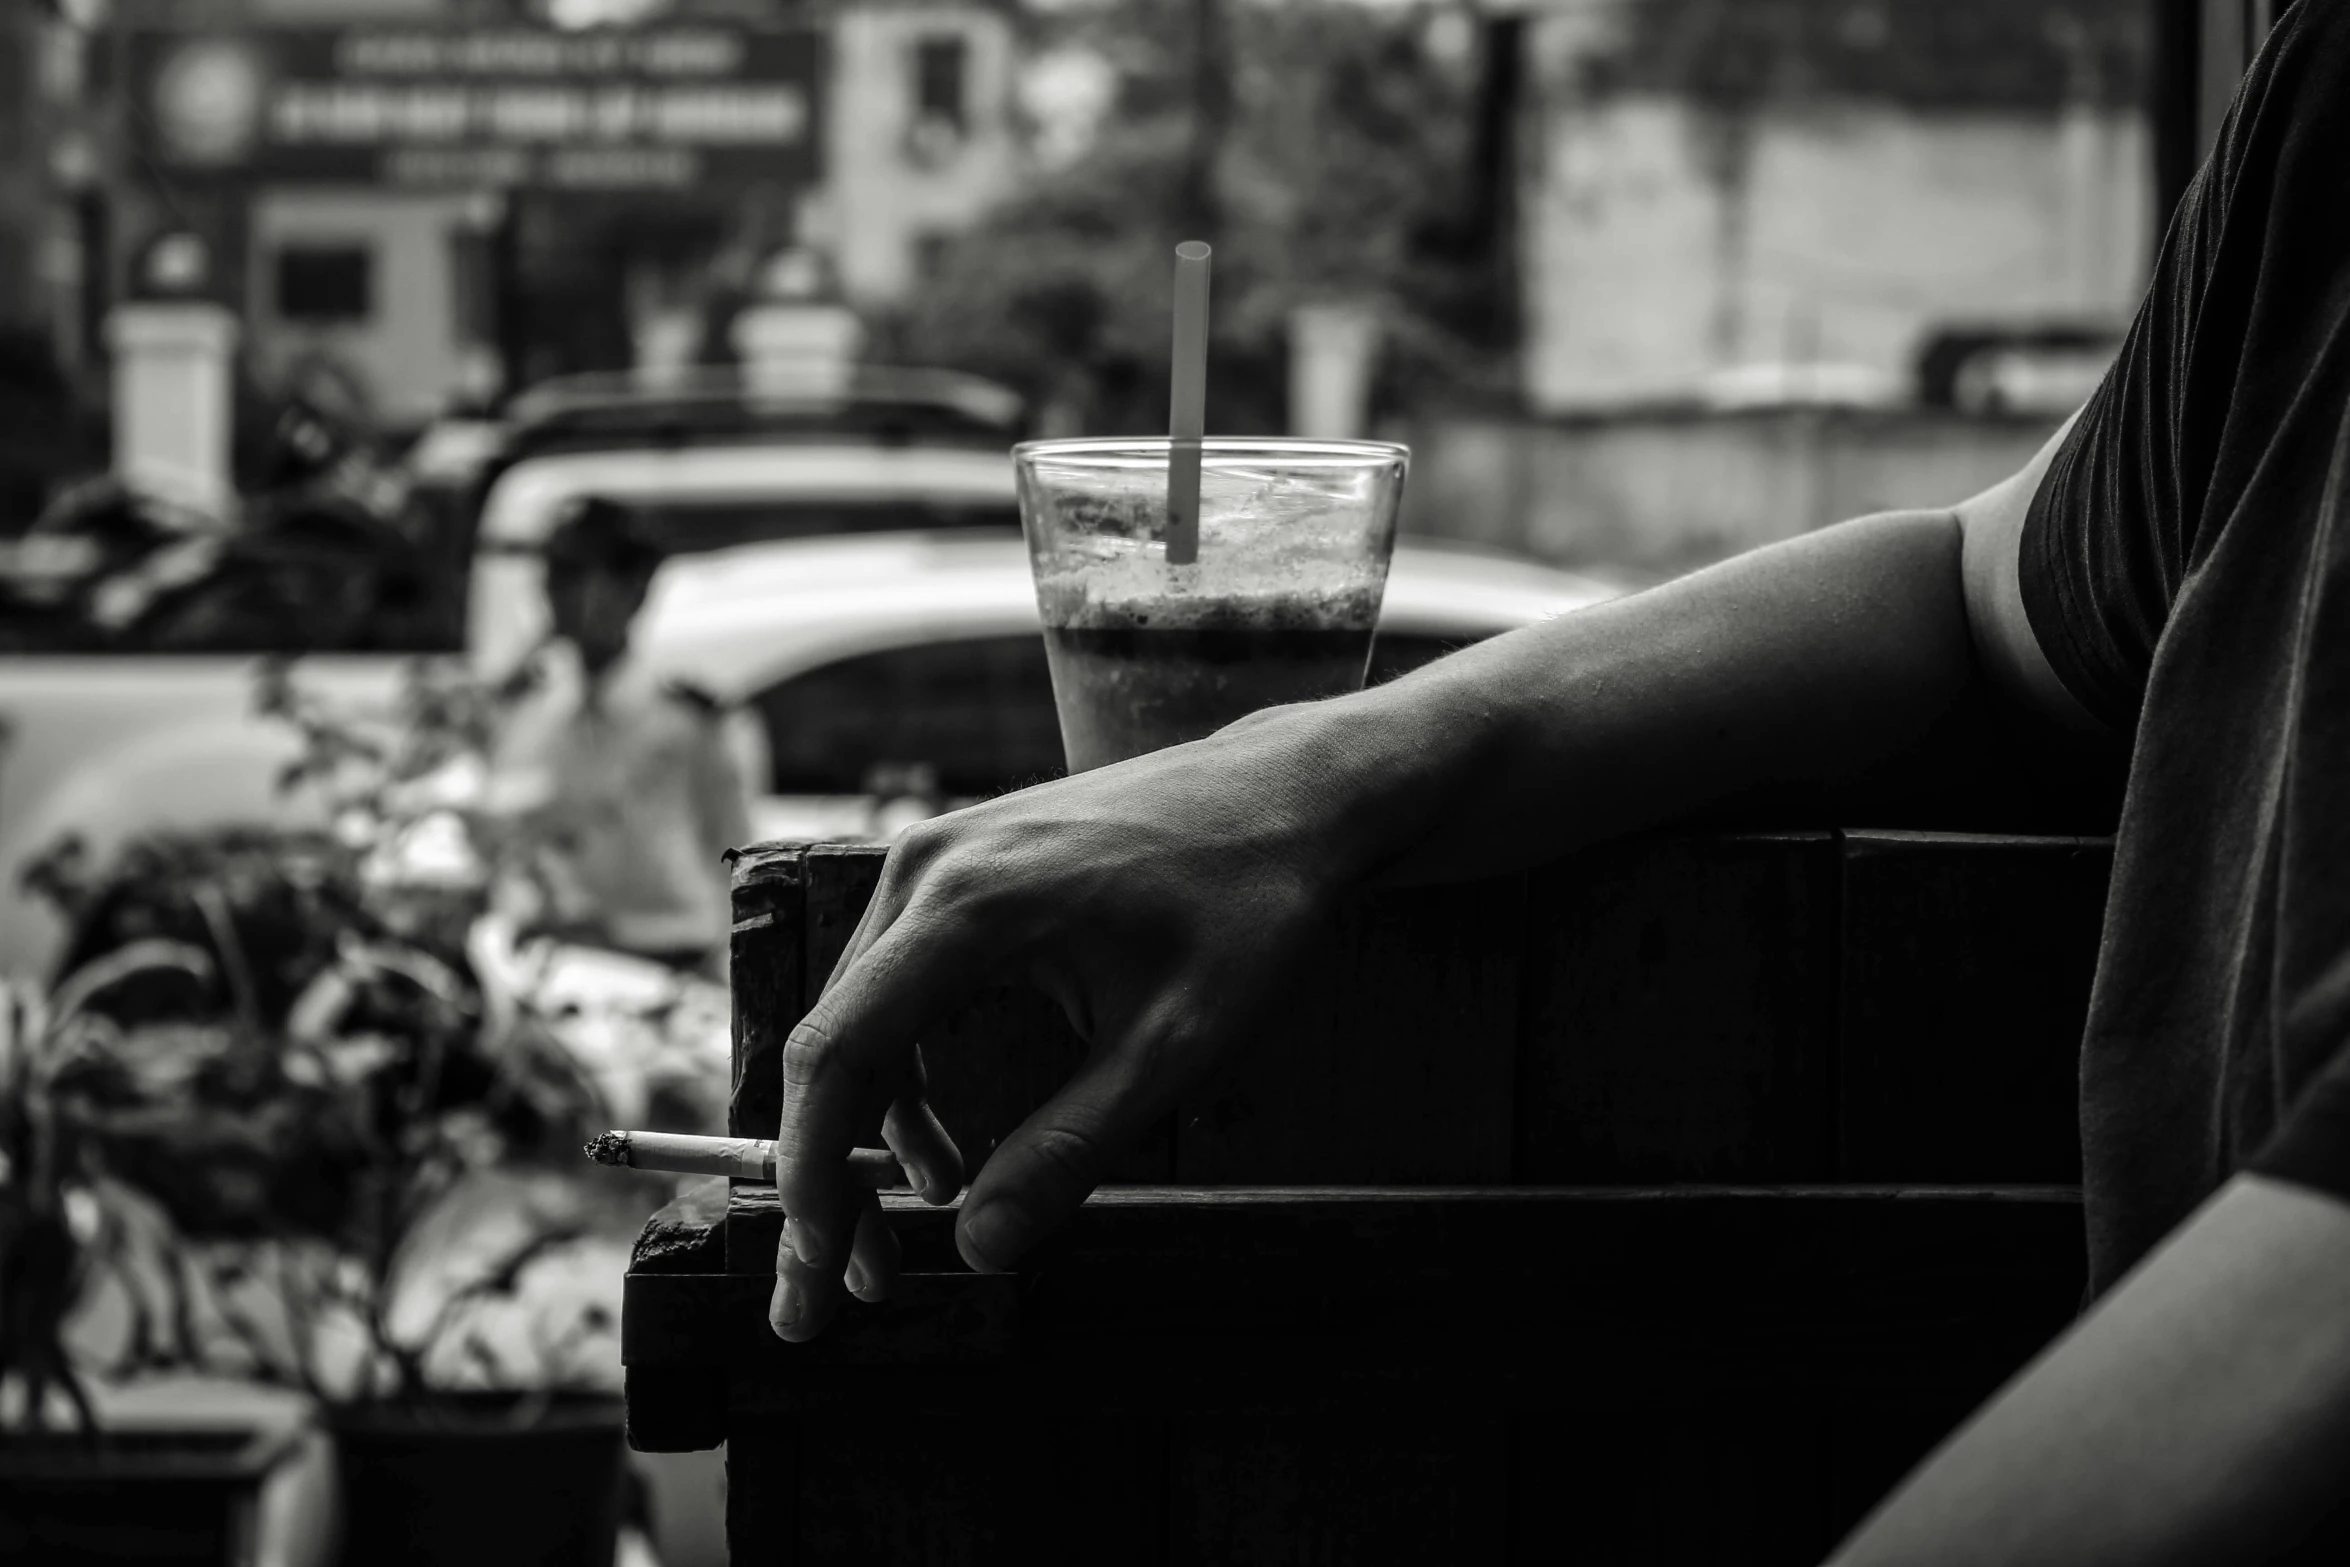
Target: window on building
325	284
929	248
16	98
940	65
473	281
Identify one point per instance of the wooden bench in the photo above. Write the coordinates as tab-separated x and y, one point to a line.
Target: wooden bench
1660	1205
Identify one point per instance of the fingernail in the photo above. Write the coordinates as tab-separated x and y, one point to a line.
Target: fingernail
915	1180
995	1233
784	1310
804	1242
856	1279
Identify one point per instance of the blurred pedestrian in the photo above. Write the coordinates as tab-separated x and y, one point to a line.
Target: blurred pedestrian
622	784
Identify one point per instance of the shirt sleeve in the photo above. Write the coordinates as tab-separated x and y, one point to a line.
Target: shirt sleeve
2312	1147
2103	547
2244	306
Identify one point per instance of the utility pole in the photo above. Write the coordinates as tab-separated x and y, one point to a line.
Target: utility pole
1493	172
1197	210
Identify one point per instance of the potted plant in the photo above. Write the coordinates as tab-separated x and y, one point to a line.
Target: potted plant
355	1136
80	1491
471	1423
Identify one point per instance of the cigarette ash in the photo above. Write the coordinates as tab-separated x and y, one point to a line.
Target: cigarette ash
609	1148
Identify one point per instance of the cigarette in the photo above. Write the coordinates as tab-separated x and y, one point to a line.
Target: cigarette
746	1158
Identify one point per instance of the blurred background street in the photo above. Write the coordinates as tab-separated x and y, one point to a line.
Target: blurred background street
464	463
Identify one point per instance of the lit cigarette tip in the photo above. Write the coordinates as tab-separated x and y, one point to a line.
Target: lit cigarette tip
609	1148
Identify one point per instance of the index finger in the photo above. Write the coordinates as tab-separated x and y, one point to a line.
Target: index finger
842	1066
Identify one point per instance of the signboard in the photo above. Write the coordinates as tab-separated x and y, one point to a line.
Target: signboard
471	107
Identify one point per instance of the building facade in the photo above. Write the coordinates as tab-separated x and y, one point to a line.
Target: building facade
426	202
1797	197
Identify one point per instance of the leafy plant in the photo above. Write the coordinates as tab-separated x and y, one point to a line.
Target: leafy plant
1325	149
62	1219
291	1111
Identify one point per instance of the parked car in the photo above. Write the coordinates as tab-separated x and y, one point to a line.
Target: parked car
911	665
866	600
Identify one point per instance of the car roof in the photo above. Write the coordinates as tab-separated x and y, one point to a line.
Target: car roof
736	621
875	398
875	407
525	500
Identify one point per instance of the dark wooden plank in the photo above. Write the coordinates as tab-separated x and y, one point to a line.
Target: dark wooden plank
718	1321
686	1234
679	1409
1693	1478
840	882
1612	1485
1679	1012
1883	1432
762	1497
1389	1057
1967	963
764	968
1767	1479
1299	1490
1018	1483
1222	1298
766	963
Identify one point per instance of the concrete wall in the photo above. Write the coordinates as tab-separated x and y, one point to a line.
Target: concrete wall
1655	493
1664	244
408	351
888	182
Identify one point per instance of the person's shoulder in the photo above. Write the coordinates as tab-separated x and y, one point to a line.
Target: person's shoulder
539	695
672	711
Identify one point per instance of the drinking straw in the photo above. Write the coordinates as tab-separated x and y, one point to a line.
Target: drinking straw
1187	402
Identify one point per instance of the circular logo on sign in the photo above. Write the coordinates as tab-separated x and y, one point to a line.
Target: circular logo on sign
208	101
177	263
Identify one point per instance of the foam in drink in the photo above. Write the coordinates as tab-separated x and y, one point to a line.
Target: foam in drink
1133	674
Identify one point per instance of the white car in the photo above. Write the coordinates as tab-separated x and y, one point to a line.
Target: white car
868	606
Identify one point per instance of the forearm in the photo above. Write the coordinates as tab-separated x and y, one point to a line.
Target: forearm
1803	661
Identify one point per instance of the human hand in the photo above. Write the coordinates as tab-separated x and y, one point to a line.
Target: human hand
1158	901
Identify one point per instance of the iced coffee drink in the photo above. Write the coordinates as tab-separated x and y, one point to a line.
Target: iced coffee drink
1280	605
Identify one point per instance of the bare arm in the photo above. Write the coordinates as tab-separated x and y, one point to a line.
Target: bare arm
2201	1413
1800	662
1161	901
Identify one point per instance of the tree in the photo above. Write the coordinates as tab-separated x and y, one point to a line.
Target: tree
1331	162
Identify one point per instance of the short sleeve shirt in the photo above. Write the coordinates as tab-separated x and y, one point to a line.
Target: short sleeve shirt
2186	567
633	799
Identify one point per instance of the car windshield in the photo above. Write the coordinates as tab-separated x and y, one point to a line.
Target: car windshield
976	713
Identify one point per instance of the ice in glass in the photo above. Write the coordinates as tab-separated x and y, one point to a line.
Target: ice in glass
1295	538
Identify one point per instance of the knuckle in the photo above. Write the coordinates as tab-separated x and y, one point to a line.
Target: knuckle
1069	1157
956	876
810	1055
940	862
917	845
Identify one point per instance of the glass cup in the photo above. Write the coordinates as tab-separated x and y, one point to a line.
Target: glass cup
1294	541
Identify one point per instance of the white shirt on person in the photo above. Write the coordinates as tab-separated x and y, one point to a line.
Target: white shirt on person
630	795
